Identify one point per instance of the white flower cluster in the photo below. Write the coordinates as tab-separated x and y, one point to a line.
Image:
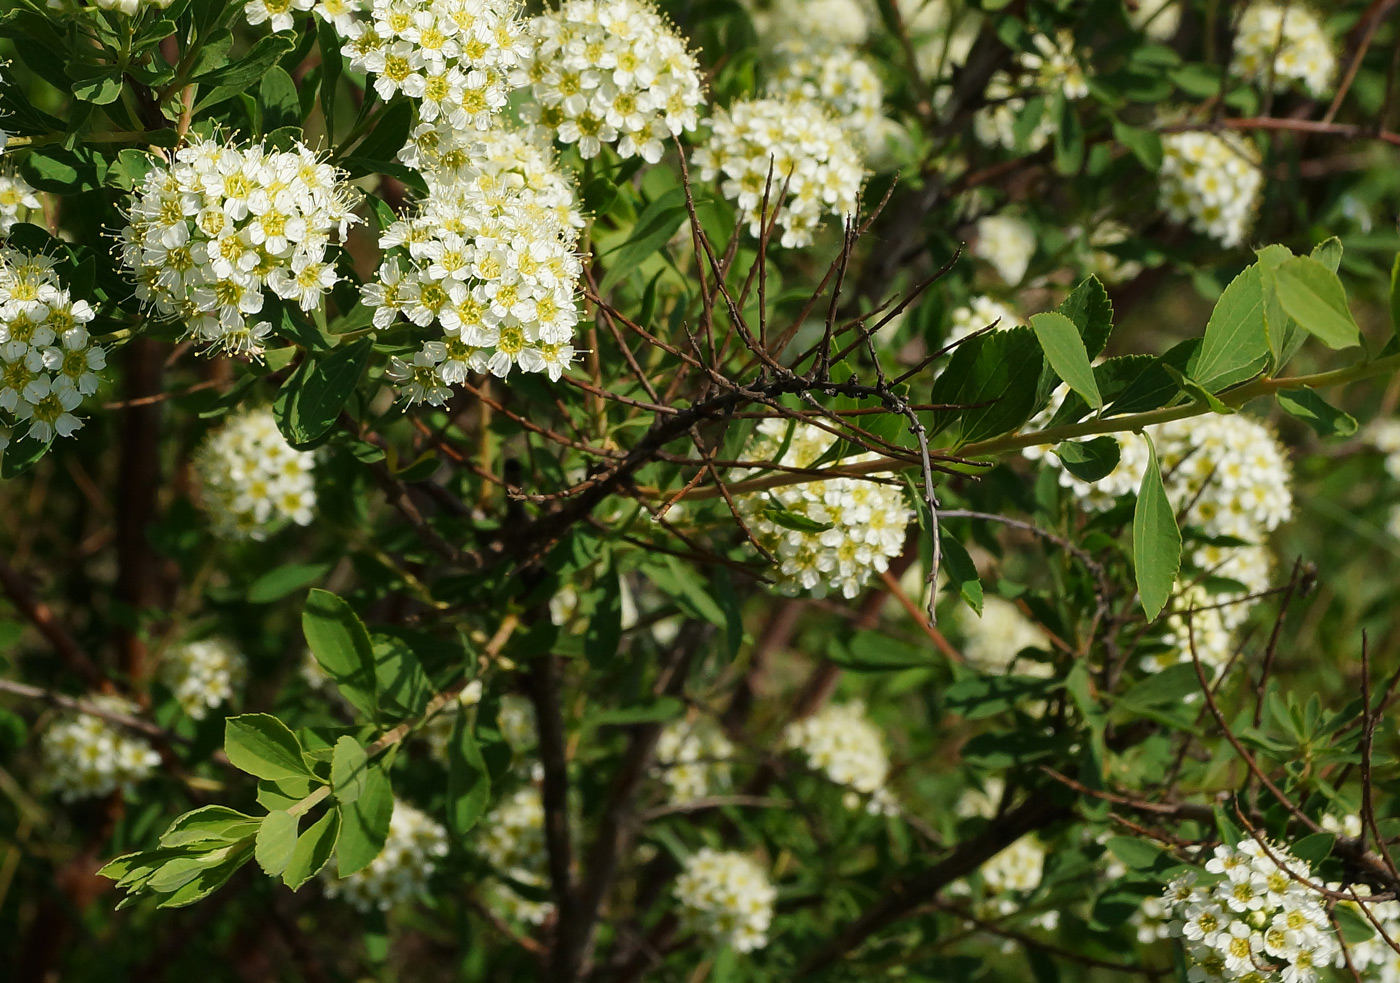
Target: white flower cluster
1232	478
1227	470
84	756
980	312
847	528
692	758
992	642
512	842
838	78
1107	266
1051	69
1258	923
401	871
203	674
1207	620
727	898
207	235
457	57
612	71
1006	242
17	198
792	149
840	741
489	257
48	362
1158	19
1212	181
834	21
252	480
1285	43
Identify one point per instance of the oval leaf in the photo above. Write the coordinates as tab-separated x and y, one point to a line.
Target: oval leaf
1156	540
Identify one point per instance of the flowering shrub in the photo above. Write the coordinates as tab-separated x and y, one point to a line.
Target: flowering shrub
615	490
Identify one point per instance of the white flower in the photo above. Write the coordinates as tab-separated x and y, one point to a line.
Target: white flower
17	198
1259	923
1285	42
692	758
85	756
839	79
280	14
1052	69
845	22
611	71
252	481
814	167
209	233
1212	181
727	898
1008	243
48	362
840	741
859	524
204	674
401	871
994	641
980	312
489	257
512	842
1159	19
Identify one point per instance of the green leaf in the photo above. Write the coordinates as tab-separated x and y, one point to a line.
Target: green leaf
657	711
1151	386
277	838
328	40
1156	540
1091	311
870	651
390	133
285	793
349	767
1069	139
1199	394
279	100
962	572
1313	296
1316	412
340	643
402	686
793	520
1395	295
279	583
100	85
1000	369
1236	343
264	747
468	782
652	230
1089	460
313	849
311	399
208	880
209	824
978	697
22	454
603	634
223	84
1145	145
1328	252
1313	848
364	824
1064	350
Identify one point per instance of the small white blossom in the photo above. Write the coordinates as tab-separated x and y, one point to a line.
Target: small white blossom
791	149
512	842
401	871
1158	19
838	78
252	480
17	198
204	674
692	758
1052	69
85	757
1211	181
1008	243
48	362
1285	42
858	525
727	898
211	233
840	741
